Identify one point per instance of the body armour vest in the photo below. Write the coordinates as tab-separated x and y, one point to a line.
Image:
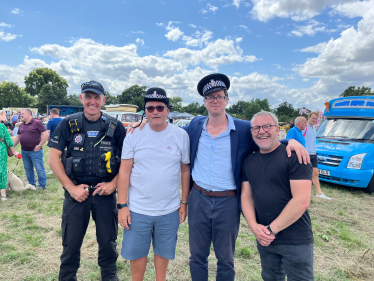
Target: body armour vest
91	148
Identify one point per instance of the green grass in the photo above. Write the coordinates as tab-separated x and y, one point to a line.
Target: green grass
30	238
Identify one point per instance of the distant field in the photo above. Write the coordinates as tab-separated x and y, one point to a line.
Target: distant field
30	238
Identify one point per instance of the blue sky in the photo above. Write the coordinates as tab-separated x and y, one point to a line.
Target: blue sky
304	52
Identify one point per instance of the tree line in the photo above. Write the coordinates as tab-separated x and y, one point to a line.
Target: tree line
43	86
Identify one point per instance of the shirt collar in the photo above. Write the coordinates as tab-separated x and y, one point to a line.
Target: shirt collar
31	121
297	129
231	123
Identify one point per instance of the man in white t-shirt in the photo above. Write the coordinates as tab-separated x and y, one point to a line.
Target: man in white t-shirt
309	134
155	161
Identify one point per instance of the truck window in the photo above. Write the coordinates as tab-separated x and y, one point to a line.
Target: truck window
347	129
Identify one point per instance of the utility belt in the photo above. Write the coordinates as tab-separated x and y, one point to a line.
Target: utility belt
75	166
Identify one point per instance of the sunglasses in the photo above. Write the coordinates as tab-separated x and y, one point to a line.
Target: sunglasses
92	84
159	108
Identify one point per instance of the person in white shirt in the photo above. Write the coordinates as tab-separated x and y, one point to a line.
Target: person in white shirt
310	133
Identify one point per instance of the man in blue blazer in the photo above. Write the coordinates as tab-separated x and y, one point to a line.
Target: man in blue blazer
218	145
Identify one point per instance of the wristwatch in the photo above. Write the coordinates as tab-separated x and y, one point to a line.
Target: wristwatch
40	146
271	230
120	206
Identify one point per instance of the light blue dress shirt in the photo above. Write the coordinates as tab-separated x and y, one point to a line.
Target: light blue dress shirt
213	169
310	139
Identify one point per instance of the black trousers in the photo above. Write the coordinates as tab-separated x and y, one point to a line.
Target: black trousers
75	218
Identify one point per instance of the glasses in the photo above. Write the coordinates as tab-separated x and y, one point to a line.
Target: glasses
266	128
159	108
218	98
92	84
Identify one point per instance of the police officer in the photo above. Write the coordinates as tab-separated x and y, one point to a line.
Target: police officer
88	172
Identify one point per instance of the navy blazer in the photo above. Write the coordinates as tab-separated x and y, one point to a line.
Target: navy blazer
240	140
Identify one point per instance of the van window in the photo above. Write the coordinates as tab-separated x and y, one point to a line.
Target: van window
347	129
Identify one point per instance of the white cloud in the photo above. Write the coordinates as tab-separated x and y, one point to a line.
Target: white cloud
174	33
310	29
198	39
236	3
16	11
319	48
8	36
119	67
297	10
219	52
346	61
209	8
353	9
3	24
137	32
237	73
160	24
192	25
305	80
139	41
238	40
243	26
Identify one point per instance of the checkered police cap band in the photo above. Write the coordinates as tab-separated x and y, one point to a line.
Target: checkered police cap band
213	84
155	96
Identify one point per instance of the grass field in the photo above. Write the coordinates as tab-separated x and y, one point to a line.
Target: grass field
30	238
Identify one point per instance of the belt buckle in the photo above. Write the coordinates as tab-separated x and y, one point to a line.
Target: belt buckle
206	190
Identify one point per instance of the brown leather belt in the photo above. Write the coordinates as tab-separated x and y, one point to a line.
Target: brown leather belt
215	193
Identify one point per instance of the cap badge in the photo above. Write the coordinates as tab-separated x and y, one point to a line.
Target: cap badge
212	83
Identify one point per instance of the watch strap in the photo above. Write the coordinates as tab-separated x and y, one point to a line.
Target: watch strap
271	230
120	206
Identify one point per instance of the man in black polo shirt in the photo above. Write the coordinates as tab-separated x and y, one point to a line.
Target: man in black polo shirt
275	197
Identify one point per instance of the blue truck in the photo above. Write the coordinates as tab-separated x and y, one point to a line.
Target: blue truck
345	142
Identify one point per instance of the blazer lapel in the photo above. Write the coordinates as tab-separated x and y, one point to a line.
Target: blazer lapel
234	148
196	133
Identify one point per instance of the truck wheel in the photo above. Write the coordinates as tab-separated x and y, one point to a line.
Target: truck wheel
370	188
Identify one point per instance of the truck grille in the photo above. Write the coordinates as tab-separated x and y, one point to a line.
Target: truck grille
329	160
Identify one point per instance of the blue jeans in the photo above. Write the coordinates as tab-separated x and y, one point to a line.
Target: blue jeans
212	219
33	159
295	261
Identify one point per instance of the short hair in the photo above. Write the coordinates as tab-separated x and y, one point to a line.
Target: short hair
28	110
55	111
265	113
298	119
316	113
226	93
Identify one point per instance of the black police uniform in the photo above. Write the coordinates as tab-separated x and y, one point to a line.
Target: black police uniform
88	145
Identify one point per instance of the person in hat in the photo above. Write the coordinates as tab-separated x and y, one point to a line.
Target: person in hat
214	200
88	172
218	145
154	162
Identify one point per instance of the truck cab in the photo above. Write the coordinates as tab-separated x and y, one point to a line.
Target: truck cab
345	142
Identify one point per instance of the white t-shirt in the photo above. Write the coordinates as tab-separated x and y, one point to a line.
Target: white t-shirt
155	176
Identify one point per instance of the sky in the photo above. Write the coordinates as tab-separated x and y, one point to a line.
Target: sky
305	52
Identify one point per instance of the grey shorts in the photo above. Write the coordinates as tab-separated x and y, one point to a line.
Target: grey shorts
162	230
314	160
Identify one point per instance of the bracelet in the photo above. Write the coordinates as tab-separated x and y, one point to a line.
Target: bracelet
184	202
